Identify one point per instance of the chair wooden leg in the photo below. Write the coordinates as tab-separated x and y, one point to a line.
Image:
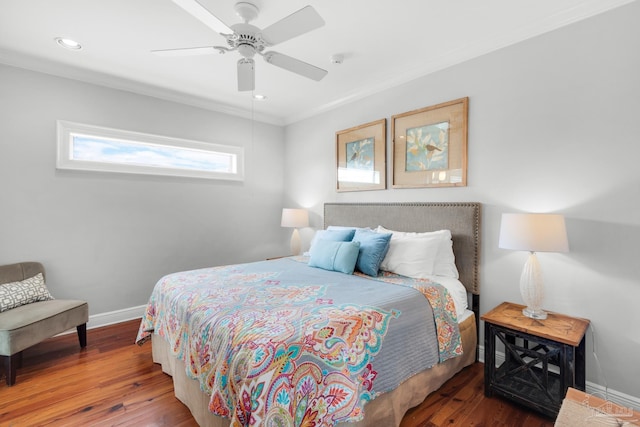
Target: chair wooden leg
82	334
17	361
10	365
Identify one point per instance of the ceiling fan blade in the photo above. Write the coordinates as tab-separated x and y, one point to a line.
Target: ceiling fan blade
201	13
300	22
295	65
185	51
246	75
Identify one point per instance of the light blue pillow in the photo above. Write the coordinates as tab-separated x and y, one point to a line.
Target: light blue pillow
373	248
342	235
341	227
334	256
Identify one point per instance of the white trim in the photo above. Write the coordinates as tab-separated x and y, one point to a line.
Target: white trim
17	59
117	316
614	396
591	388
111	318
66	131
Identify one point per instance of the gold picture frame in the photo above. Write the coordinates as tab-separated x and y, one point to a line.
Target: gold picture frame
361	154
430	146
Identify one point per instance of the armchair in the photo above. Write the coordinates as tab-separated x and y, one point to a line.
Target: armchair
26	325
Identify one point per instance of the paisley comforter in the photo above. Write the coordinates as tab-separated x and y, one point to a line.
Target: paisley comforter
278	343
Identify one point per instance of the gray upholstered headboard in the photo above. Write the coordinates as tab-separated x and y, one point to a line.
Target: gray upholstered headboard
463	219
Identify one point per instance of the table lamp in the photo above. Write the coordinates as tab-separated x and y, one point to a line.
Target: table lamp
534	233
295	218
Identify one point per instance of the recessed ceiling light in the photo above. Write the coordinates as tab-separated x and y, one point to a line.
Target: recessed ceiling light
68	43
259	97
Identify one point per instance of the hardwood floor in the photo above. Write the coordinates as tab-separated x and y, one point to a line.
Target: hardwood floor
113	382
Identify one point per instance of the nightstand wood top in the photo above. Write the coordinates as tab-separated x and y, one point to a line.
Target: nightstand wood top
556	327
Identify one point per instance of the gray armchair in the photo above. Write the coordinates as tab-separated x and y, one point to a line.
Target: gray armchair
24	326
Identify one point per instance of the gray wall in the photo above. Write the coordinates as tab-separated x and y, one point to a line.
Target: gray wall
553	127
108	238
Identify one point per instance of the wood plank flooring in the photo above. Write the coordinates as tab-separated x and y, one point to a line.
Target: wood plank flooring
113	382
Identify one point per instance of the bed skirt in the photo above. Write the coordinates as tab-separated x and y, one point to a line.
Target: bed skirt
386	409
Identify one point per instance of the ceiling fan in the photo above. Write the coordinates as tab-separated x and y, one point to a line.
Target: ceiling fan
249	40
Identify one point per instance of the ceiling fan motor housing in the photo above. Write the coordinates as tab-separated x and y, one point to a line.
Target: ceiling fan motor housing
246	40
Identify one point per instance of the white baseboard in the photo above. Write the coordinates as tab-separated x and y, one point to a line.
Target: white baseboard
614	396
591	388
111	317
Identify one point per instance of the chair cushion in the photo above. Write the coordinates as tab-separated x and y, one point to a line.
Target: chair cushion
27	325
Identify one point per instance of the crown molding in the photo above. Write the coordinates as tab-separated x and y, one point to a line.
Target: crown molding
31	63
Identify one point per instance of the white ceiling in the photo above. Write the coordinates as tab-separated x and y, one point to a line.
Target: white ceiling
384	43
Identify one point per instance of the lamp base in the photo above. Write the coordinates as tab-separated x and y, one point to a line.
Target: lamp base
532	289
534	314
295	242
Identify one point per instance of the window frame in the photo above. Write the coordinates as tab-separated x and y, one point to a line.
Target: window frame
64	158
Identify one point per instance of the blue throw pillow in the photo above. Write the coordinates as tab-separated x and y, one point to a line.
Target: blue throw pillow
343	235
334	256
373	248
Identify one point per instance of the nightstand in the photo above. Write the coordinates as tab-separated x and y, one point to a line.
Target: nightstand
542	357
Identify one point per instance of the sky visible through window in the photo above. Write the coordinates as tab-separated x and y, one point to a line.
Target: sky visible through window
104	150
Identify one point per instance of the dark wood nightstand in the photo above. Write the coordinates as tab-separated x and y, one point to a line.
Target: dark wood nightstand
542	357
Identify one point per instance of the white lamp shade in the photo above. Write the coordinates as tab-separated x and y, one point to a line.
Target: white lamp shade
533	232
295	218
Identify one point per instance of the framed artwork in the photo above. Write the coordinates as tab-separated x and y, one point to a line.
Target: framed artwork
430	146
361	154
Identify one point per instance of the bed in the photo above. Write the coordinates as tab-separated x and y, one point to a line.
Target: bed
316	346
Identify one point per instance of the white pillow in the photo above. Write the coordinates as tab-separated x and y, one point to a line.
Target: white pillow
457	291
445	261
411	256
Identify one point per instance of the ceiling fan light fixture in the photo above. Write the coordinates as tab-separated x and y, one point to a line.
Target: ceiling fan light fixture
68	43
247	51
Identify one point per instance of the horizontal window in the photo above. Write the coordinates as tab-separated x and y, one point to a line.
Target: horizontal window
94	148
